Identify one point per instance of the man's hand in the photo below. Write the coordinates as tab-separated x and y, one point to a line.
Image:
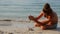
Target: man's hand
31	17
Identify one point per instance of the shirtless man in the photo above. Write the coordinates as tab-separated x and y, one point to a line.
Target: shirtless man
50	22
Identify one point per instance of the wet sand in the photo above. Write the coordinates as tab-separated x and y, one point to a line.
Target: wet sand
15	27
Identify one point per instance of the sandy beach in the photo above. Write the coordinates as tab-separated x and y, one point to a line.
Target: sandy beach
16	27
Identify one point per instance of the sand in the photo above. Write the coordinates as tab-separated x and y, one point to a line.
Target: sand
16	27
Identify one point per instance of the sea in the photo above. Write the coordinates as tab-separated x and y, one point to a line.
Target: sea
21	9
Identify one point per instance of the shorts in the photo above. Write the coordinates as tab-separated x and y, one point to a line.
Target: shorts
51	27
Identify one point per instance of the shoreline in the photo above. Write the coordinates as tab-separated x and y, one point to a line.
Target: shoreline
24	28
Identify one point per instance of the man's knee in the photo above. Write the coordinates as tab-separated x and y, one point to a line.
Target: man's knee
43	27
37	25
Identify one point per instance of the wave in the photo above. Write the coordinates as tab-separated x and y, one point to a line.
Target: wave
19	20
16	20
6	20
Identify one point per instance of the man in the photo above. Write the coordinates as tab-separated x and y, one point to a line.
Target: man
50	22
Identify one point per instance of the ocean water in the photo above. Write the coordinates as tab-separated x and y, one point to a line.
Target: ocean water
23	8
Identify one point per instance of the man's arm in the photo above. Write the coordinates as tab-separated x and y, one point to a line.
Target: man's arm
47	21
41	14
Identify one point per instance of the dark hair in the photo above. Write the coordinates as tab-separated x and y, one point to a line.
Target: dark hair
47	9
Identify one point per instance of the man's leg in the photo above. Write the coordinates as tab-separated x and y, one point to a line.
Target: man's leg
37	25
41	26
